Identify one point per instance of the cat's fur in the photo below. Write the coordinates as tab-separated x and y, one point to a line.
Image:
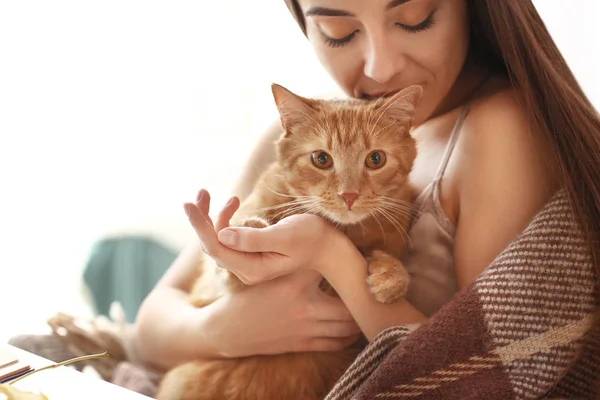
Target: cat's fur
348	130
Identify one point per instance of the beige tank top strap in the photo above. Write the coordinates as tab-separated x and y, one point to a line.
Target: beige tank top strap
456	130
451	143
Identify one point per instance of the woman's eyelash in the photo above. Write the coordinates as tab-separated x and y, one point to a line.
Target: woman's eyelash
340	42
420	26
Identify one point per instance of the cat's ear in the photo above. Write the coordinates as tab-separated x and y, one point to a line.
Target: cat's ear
293	109
401	106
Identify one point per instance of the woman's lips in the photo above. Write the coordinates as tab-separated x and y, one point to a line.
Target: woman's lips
373	96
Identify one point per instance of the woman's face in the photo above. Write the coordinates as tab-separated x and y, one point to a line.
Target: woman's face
377	47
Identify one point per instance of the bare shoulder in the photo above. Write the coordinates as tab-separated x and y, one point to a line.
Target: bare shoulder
504	177
499	117
498	136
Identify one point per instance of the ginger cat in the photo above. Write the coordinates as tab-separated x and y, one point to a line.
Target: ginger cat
347	161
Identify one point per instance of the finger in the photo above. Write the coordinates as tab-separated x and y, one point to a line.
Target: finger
249	267
329	308
201	223
325	344
273	239
203	203
335	329
282	237
203	227
226	213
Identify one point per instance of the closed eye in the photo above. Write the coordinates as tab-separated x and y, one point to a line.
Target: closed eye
422	26
339	42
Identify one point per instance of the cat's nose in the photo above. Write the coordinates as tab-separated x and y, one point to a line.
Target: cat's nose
350	198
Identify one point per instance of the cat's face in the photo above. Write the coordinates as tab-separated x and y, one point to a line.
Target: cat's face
347	160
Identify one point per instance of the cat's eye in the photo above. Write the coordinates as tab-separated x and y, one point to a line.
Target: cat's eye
321	159
375	159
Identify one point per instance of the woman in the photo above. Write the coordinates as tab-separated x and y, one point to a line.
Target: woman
501	126
529	131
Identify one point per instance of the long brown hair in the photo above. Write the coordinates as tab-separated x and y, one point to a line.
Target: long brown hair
509	36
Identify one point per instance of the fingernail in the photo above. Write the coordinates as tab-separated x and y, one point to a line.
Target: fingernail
228	237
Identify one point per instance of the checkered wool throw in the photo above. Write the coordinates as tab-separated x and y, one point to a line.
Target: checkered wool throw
520	331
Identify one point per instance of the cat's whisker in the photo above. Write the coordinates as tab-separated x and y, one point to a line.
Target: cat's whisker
299	209
312	207
338	224
394	222
289	204
280	194
396	214
293	203
362	225
381	199
400	205
381	226
318	210
278	206
380	100
288	195
321	209
390	217
402	212
384	111
370	116
396	200
285	210
370	125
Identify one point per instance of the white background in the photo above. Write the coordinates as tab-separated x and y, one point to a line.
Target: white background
112	113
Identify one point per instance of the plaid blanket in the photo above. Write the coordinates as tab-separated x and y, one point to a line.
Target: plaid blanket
520	331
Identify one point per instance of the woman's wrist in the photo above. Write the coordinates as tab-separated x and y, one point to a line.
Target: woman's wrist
345	268
335	248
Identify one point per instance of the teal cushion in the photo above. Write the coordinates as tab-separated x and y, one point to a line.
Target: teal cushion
125	269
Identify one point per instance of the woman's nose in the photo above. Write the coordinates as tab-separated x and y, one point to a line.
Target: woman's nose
383	60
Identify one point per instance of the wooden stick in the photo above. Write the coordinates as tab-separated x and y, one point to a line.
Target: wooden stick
60	364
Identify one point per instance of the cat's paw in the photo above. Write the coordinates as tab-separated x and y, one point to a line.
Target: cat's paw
388	280
253	222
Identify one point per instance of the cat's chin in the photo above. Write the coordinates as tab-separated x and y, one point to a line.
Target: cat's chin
347	217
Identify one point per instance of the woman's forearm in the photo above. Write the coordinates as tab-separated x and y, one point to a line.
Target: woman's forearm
169	330
346	271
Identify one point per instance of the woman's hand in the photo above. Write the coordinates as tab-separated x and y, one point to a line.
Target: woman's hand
286	313
298	242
